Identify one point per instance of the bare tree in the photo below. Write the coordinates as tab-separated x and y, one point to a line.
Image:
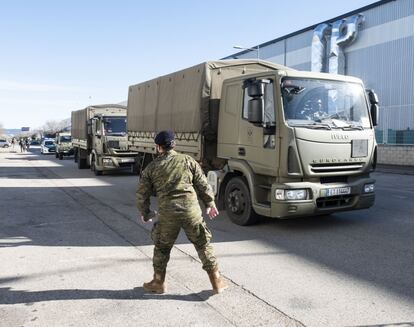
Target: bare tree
53	126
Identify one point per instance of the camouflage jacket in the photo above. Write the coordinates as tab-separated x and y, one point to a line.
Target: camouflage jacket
176	179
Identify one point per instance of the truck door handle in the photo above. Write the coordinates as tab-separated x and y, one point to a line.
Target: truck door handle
242	151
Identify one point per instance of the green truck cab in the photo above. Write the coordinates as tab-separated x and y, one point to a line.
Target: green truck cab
273	141
99	138
64	145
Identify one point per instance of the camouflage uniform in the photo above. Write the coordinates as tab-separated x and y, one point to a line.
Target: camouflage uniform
176	179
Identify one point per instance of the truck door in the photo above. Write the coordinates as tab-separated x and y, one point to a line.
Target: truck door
257	142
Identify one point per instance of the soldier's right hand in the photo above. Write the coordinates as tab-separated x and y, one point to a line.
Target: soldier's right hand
145	221
149	217
212	212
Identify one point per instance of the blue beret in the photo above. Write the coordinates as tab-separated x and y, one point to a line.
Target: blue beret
164	138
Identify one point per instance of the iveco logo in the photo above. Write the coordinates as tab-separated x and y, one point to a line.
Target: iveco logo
339	137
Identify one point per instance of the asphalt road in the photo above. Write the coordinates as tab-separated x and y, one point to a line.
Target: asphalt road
73	253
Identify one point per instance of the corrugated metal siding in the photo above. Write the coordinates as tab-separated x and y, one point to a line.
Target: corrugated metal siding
304	66
388	12
275	49
388	68
299	41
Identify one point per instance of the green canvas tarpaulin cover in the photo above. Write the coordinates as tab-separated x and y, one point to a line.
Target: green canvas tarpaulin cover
184	101
80	119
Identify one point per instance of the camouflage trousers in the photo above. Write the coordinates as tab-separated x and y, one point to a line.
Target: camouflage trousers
165	232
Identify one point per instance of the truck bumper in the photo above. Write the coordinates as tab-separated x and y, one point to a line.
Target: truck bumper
318	203
70	152
117	163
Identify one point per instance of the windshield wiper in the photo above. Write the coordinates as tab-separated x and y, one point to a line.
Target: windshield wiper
353	127
293	89
313	125
340	124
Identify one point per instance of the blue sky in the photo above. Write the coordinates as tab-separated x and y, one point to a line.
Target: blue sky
58	56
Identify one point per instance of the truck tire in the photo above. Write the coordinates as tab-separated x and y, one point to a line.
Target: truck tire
81	161
93	167
238	203
60	156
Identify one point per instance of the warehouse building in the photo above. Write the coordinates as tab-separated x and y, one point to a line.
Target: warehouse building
374	43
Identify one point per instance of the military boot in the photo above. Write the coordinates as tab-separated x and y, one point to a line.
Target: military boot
218	283
157	285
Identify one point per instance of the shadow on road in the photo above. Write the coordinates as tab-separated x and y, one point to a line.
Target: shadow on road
9	296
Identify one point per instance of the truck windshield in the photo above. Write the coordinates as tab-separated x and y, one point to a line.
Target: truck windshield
115	126
324	104
65	139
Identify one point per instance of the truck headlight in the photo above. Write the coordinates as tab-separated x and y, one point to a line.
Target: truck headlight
107	162
369	188
281	194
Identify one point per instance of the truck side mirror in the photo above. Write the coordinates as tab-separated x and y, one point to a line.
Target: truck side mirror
374	114
255	111
374	108
373	97
255	89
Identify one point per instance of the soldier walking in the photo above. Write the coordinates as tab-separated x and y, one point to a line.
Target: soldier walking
176	179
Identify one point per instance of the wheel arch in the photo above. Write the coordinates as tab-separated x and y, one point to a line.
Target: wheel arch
240	168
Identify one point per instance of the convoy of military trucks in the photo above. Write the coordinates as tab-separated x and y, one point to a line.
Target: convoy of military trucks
273	141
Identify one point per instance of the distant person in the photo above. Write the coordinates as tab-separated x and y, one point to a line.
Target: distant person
21	143
27	144
13	144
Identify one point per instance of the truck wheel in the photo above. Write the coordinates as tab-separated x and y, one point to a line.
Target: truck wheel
60	156
94	168
81	163
238	203
82	160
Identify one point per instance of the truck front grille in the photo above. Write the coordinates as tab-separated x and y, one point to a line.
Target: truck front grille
334	179
336	167
125	164
113	144
335	201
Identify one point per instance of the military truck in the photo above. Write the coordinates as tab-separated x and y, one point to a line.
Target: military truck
99	138
273	141
63	145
